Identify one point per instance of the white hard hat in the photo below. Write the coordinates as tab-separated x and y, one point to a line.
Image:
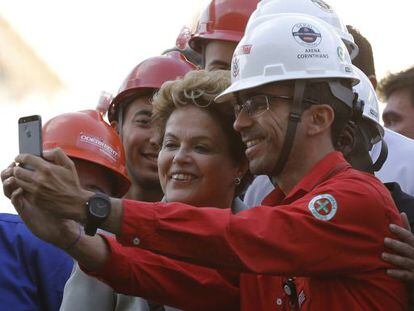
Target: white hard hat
315	8
288	47
367	94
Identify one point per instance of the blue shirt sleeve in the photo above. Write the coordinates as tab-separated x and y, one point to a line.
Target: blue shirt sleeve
33	273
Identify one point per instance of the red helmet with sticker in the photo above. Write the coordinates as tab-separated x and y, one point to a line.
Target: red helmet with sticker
149	76
223	20
85	135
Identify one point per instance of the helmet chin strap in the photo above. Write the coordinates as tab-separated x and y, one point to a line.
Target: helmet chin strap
203	56
296	110
382	157
357	116
120	121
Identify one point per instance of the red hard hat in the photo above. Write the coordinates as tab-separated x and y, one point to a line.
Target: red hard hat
223	20
183	37
104	102
85	135
150	75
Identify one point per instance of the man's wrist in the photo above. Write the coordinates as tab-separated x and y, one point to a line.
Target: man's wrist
69	232
76	240
113	223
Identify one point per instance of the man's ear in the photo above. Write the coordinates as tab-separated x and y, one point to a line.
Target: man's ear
319	118
244	174
346	140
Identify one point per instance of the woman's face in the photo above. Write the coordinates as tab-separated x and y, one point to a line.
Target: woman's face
194	164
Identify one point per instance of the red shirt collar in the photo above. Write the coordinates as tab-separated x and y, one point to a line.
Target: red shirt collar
330	165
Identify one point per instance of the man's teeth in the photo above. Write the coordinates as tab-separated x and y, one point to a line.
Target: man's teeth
182	177
253	142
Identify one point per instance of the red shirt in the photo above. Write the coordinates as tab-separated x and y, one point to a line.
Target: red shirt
328	232
137	272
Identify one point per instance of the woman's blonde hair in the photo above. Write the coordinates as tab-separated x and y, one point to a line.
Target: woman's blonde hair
199	88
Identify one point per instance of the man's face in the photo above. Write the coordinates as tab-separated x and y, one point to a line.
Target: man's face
398	114
218	55
264	134
138	138
94	177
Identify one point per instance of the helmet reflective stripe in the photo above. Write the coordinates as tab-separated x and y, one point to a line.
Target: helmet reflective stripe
315	8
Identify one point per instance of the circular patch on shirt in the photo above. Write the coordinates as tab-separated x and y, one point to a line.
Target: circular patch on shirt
323	207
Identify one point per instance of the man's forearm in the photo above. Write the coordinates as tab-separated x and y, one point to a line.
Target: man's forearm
113	223
92	251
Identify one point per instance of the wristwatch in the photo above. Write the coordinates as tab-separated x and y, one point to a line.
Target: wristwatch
98	208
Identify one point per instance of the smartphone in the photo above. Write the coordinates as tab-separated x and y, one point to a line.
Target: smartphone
30	135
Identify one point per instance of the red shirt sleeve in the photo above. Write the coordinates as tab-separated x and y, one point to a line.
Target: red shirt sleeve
279	240
137	272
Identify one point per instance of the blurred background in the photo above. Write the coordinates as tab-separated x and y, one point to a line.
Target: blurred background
58	56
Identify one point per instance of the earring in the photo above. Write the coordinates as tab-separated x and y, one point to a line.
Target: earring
237	181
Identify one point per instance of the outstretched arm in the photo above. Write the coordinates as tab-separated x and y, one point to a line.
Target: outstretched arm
245	242
128	270
133	271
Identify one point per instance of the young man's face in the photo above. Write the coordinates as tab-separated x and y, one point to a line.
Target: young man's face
94	177
218	55
398	114
138	138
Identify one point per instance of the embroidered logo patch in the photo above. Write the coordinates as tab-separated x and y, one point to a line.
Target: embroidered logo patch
323	207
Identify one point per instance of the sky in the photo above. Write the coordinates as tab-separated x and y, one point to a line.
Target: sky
92	45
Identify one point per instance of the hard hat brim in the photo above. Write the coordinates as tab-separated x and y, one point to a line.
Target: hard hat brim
197	40
249	83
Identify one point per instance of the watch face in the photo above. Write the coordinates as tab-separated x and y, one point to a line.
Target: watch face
99	207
